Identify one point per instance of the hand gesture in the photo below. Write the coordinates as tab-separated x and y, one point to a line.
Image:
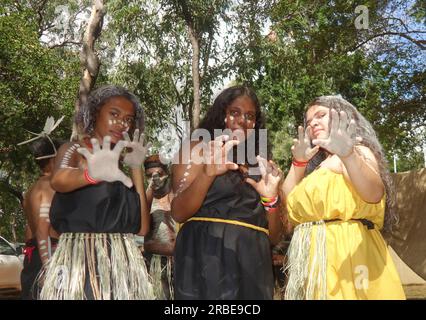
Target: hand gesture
301	148
136	157
102	164
215	157
271	177
342	139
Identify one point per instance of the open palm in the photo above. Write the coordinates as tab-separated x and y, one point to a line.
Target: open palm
215	156
301	149
271	177
136	157
341	139
102	164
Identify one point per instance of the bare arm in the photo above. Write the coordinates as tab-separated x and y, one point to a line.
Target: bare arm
302	152
362	171
149	197
192	182
68	175
137	177
275	225
41	207
268	187
191	195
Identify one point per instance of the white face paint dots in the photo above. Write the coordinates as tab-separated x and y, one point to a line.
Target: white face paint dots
122	122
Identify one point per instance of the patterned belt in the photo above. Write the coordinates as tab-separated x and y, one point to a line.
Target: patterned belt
234	222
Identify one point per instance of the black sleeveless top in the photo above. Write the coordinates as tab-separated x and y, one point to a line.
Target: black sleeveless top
224	261
108	207
230	197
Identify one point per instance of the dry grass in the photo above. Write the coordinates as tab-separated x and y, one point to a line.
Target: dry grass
415	292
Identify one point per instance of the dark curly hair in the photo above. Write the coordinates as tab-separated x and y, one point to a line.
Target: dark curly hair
86	116
216	114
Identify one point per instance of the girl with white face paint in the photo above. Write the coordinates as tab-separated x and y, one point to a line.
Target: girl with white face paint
339	196
97	208
223	249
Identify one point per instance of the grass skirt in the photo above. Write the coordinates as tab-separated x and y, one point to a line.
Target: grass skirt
96	266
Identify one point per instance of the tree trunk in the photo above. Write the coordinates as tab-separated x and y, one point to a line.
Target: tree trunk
89	61
13	227
196	109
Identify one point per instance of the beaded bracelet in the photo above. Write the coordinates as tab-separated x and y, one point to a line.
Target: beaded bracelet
270	204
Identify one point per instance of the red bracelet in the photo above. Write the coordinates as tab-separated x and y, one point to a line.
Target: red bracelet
299	163
89	178
271	210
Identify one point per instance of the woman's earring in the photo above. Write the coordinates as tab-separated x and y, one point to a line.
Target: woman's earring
226	120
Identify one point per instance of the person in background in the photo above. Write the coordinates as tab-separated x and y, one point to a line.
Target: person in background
160	242
41	238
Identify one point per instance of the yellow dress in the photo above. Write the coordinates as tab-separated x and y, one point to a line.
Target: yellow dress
337	259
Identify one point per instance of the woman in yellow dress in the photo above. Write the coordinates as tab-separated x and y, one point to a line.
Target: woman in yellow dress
339	197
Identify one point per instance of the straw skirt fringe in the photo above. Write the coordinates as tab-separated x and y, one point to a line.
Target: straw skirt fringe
158	272
307	263
110	264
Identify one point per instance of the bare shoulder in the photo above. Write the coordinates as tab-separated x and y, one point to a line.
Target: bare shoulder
368	156
68	157
68	146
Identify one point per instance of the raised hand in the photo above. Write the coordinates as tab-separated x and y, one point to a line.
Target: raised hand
342	139
215	157
271	177
301	149
136	157
102	164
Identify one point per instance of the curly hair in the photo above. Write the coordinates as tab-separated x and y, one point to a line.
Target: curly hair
216	114
85	118
369	139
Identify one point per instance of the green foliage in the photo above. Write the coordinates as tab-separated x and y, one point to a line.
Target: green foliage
314	50
36	82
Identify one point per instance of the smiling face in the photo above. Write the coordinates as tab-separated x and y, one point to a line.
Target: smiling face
116	116
241	115
317	118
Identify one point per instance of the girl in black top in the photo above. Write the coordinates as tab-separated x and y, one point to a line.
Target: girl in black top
223	248
97	208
